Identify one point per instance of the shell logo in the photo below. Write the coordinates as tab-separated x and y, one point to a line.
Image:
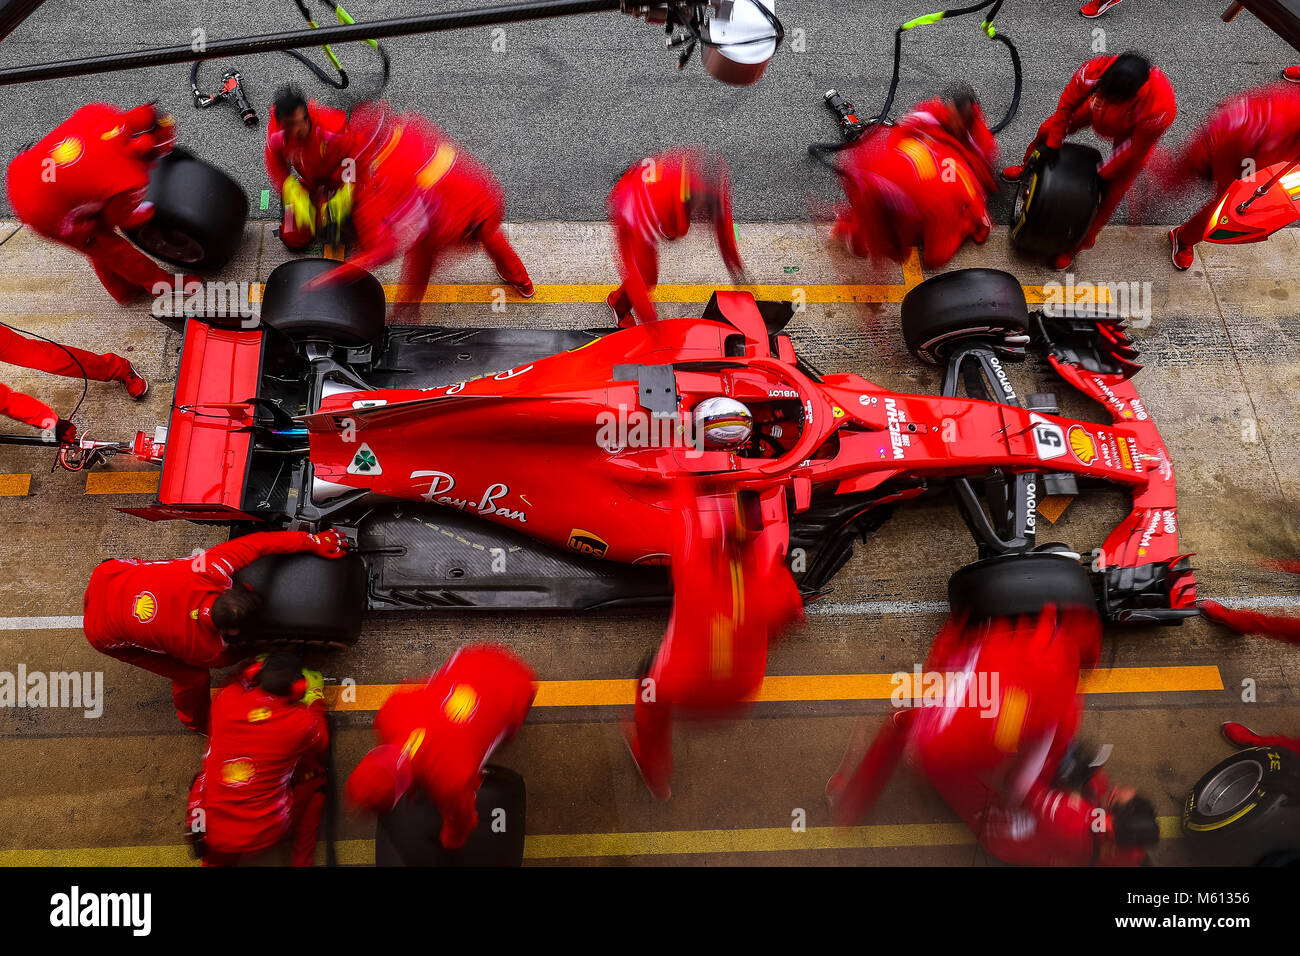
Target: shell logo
259	714
144	607
460	704
238	772
67	151
113	133
1081	443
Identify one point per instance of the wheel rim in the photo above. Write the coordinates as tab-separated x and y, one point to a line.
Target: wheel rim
169	244
1230	787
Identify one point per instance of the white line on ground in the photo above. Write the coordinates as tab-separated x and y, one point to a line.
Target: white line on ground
848	609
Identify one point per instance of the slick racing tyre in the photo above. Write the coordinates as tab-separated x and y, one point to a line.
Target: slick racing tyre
966	304
407	835
1013	584
199	214
349	315
1246	807
308	599
1056	202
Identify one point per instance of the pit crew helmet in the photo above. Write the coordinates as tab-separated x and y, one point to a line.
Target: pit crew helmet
723	422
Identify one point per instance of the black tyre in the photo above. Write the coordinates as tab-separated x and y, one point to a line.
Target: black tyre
199	214
1056	202
308	599
408	834
962	305
350	315
1245	807
1014	584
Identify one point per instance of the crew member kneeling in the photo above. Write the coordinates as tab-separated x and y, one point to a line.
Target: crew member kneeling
439	737
307	147
179	618
263	776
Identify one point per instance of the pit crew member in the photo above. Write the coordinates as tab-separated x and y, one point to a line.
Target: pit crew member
439	737
46	356
422	195
1124	99
180	618
998	746
732	596
87	179
656	198
925	184
307	149
264	772
1260	127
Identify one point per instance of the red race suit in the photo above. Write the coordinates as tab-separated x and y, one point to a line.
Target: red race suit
655	200
66	360
421	194
918	186
439	736
998	709
263	776
158	614
317	161
87	179
732	596
1133	126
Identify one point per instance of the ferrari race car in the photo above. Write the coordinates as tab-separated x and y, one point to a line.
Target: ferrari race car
518	468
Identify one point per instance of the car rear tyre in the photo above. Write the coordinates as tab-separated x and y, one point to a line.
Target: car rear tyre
1056	202
1243	808
308	599
349	315
1013	584
962	305
199	214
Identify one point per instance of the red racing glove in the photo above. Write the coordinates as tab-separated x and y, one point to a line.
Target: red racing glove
330	544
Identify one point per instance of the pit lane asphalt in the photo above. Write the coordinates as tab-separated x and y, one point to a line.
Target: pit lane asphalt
1220	350
560	108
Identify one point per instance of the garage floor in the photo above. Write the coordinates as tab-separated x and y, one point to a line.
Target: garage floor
1222	381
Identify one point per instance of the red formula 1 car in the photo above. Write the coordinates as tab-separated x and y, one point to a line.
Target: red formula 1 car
521	468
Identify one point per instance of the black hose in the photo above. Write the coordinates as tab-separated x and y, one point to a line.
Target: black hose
270	42
1014	108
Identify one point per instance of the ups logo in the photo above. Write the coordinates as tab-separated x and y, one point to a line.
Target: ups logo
584	542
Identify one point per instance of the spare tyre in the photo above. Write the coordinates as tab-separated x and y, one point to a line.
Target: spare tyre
1056	201
960	305
199	214
1246	807
1009	585
308	599
350	314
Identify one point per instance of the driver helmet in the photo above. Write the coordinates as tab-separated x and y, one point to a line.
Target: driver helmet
723	422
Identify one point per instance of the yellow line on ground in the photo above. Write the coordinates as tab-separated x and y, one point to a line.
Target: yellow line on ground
585	845
122	483
813	687
15	486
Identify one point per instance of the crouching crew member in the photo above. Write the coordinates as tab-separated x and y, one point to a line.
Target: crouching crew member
925	185
307	148
438	738
422	195
87	179
180	618
264	773
1123	99
999	746
657	198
